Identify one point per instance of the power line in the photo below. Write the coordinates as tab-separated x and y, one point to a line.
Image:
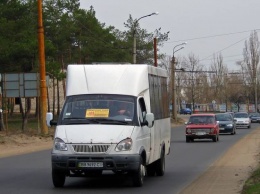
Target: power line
211	36
224	57
225	48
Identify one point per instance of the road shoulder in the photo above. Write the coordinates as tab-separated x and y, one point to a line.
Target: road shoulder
228	174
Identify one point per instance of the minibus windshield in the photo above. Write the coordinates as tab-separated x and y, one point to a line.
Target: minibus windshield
98	108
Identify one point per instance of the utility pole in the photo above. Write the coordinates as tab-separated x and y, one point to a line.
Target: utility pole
2	126
174	104
155	51
174	108
255	87
43	91
134	45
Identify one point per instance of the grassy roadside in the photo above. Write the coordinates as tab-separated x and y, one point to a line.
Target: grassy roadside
252	185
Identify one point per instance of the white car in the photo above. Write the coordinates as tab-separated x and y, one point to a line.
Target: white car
243	119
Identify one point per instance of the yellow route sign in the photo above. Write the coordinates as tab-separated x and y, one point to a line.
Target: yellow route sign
90	113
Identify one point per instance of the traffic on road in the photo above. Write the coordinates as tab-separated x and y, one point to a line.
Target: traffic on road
31	173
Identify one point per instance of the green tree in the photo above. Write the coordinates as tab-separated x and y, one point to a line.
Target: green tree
18	35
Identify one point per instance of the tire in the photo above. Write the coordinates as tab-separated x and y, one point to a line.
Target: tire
187	139
249	126
138	176
234	131
215	138
160	165
150	169
58	178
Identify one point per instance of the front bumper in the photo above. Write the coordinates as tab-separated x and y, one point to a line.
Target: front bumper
226	129
255	120
110	162
206	136
242	125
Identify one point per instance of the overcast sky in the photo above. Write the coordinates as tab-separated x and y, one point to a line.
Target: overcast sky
225	23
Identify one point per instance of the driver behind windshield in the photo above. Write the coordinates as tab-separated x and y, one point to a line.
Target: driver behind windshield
124	109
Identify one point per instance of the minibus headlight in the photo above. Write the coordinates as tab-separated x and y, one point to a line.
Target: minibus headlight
188	130
124	145
60	145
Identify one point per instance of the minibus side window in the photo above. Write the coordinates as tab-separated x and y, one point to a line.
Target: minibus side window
141	110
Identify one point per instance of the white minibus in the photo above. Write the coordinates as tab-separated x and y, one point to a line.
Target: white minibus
115	119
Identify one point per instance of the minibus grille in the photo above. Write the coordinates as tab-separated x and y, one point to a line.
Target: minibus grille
90	148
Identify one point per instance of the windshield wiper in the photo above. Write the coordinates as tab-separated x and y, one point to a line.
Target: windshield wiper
72	118
78	120
109	121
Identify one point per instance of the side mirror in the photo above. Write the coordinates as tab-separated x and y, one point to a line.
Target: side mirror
186	123
149	119
49	120
235	120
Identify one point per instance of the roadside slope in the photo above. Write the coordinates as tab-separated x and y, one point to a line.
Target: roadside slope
228	174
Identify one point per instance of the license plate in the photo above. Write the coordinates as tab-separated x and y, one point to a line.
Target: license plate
200	133
221	128
90	164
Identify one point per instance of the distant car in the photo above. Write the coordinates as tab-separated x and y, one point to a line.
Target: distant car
243	119
255	117
226	122
202	126
185	111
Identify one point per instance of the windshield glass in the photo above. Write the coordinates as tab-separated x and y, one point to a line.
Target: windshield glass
223	117
201	120
254	114
99	109
241	115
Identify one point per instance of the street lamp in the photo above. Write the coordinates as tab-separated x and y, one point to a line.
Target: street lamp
174	108
134	35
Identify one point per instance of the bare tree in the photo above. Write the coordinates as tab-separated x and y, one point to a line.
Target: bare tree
218	78
251	54
237	89
193	73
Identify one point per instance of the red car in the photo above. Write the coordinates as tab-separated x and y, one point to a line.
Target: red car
202	126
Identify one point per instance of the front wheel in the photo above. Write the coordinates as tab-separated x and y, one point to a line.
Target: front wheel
160	165
150	169
215	138
138	176
58	178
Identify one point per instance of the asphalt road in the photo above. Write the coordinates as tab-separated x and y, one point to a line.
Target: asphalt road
31	173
